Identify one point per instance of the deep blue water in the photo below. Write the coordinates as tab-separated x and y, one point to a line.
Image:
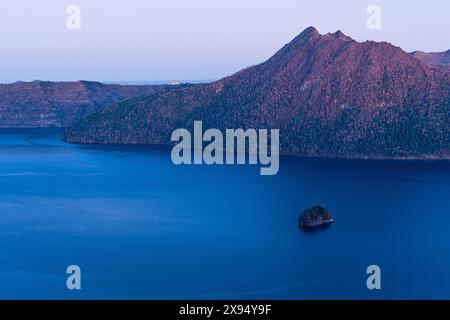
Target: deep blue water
141	227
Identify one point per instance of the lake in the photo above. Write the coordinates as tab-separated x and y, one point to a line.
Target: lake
140	227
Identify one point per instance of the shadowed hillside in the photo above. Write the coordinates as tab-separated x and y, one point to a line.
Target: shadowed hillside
58	104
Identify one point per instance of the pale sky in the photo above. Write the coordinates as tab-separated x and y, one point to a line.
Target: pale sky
140	40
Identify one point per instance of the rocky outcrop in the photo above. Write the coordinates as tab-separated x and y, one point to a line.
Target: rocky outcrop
315	218
329	95
58	104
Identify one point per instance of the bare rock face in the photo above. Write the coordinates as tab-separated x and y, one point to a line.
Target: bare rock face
315	218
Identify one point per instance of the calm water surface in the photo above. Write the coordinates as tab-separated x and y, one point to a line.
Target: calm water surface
140	227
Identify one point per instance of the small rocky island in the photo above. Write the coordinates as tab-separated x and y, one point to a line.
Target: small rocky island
314	218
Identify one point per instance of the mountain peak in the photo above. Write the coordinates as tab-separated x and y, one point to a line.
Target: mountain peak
340	35
330	97
307	36
310	31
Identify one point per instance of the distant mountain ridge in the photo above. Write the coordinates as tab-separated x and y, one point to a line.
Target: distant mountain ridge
436	58
59	104
330	96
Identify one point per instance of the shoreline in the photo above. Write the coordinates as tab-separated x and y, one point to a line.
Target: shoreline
368	158
159	145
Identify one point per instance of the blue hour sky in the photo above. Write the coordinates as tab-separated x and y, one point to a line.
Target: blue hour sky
140	40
